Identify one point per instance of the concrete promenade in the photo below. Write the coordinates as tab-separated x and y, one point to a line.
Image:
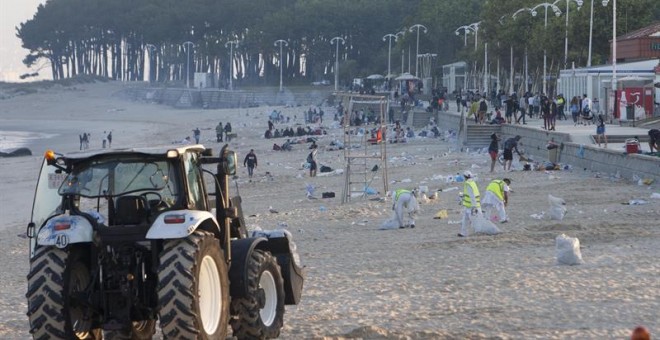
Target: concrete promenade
577	145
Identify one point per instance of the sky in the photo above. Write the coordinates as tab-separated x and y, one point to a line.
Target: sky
12	13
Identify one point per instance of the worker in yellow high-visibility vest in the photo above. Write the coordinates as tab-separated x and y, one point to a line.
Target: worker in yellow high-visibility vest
497	197
471	202
405	203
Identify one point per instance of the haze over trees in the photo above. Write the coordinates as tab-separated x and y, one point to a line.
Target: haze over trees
121	39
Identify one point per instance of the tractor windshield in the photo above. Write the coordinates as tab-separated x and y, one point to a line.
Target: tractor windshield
111	177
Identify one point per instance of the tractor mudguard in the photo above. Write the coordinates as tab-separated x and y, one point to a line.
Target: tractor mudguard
63	230
280	244
178	224
241	250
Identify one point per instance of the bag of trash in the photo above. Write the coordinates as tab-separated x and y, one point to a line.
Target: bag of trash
391	223
557	208
482	225
568	250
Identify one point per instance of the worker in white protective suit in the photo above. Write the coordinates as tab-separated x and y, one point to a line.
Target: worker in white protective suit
405	205
471	202
497	197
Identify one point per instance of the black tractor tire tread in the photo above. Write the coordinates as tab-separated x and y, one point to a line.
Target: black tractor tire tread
44	309
247	322
46	297
176	287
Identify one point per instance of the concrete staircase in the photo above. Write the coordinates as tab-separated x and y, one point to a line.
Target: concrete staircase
420	118
478	136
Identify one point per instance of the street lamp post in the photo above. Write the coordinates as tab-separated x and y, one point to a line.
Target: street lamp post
188	45
466	29
151	48
337	39
389	37
281	42
614	86
533	11
579	5
417	26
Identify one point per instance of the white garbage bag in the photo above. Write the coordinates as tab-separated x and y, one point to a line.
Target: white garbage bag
568	250
482	225
557	208
391	223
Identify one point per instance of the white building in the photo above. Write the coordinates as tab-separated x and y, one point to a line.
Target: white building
596	81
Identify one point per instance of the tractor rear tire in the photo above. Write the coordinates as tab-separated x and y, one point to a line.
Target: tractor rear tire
193	288
56	277
260	315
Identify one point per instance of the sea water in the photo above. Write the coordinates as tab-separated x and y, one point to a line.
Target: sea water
10	140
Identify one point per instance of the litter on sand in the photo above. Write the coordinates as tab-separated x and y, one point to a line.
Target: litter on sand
441	214
568	250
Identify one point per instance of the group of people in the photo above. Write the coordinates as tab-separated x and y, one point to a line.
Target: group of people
510	146
495	198
221	131
290	132
85	137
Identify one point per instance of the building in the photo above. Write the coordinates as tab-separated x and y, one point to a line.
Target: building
642	44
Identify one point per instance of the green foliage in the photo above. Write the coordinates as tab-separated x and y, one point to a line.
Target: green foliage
109	38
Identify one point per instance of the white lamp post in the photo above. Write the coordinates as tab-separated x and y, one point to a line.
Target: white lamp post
337	39
389	37
231	61
614	87
417	26
475	27
188	45
281	42
533	11
579	5
466	29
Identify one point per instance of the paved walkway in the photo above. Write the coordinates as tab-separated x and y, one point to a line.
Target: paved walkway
583	134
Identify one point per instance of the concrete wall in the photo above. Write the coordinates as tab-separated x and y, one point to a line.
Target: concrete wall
607	161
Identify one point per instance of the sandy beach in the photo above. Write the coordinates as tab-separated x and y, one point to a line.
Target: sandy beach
366	283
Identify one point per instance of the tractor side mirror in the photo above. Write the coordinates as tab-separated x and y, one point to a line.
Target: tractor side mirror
230	163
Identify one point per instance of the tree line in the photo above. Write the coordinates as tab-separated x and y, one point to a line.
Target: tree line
122	39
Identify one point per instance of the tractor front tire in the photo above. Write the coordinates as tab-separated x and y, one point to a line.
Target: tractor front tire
193	288
56	280
260	315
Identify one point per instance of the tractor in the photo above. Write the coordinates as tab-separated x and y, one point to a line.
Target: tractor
125	240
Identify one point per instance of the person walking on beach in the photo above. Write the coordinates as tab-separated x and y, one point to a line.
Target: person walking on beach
497	197
471	202
228	132
109	139
600	130
493	150
81	141
510	145
219	130
654	139
311	159
405	201
197	134
251	162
